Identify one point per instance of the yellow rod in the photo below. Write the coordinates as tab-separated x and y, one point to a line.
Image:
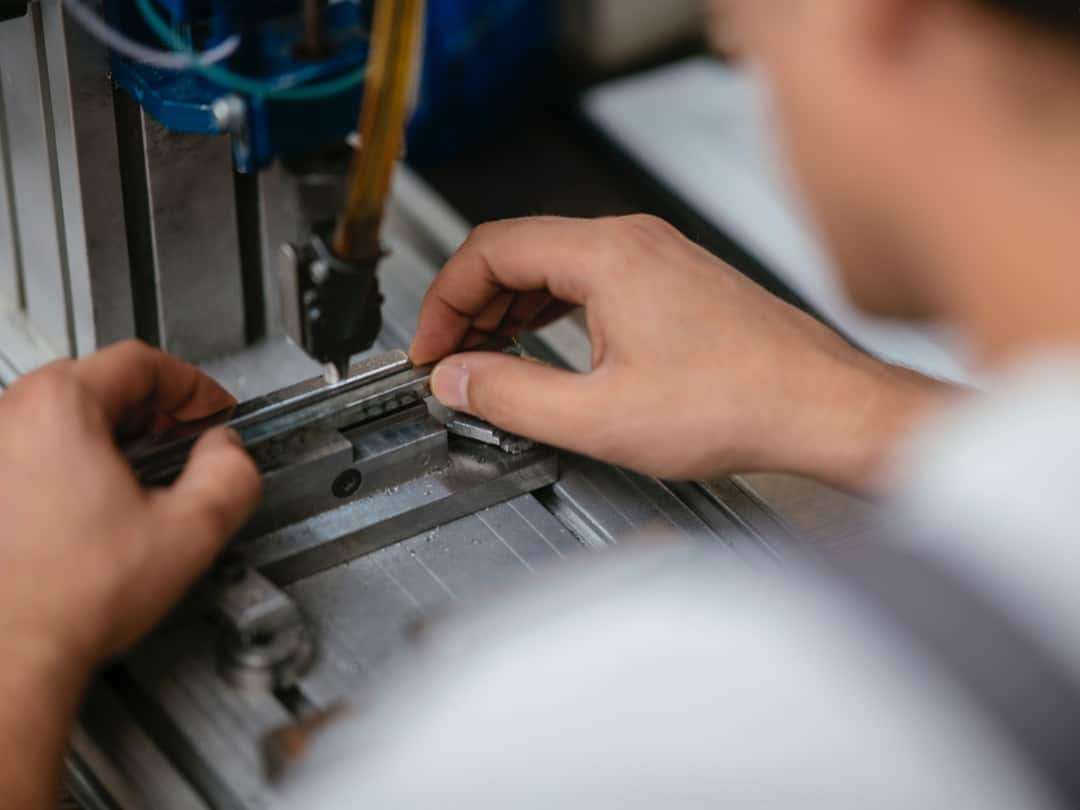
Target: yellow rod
393	65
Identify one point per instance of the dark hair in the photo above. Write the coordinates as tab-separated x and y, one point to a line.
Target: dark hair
1056	15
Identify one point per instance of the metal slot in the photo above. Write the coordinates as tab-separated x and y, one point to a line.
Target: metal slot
475	477
327	468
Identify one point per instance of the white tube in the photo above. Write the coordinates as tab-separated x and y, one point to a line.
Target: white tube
167	60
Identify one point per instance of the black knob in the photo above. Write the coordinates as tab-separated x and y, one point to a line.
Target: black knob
10	9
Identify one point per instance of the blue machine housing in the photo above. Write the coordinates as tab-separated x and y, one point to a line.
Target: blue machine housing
476	54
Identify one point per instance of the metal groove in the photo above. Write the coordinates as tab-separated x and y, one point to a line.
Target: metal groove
54	176
12	214
135	192
246	188
153	718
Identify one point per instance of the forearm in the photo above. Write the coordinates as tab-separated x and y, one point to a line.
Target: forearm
40	689
865	414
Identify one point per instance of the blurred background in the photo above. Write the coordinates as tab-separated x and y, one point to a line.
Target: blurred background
611	107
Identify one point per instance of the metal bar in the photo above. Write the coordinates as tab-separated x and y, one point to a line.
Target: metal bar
28	115
195	240
88	183
303	406
376	387
475	479
128	769
172	687
11	286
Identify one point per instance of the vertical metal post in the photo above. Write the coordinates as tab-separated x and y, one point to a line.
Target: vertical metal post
38	215
88	183
11	293
194	241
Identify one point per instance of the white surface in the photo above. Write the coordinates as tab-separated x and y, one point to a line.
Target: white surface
997	476
671	681
701	128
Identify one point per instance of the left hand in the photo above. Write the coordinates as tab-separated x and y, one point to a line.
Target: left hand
89	560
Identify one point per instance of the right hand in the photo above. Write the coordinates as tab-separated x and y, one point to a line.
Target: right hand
696	371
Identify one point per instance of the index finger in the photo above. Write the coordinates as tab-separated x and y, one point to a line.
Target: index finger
560	255
136	383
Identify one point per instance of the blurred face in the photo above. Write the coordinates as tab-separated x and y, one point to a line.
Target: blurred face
847	136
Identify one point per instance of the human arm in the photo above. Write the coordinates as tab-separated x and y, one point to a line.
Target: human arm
89	560
696	370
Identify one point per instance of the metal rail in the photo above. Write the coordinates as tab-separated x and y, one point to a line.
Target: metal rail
376	388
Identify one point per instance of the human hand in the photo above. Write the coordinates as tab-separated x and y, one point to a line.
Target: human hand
90	560
696	371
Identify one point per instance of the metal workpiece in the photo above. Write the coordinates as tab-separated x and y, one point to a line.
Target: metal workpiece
272	426
475	477
469	427
331	467
264	641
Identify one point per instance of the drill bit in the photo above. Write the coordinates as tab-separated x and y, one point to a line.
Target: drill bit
336	370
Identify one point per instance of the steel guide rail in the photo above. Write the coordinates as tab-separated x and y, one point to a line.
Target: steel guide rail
376	387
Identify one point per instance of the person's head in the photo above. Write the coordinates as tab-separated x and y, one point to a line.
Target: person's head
905	118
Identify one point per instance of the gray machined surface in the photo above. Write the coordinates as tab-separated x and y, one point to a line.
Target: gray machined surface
63	246
88	183
10	261
194	241
28	121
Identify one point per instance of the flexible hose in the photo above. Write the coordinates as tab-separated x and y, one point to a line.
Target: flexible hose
244	84
389	96
124	45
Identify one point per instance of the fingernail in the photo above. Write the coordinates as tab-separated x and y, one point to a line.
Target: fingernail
450	384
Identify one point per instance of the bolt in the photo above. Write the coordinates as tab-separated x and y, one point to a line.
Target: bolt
347	484
320	271
230	114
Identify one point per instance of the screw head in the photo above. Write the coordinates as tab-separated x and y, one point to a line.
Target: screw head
320	271
347	484
229	113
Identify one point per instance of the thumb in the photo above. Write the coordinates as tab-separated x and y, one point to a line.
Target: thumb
521	396
209	503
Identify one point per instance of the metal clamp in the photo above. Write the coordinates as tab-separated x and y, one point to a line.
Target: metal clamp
265	643
469	427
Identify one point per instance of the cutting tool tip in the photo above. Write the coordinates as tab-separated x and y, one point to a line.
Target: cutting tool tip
336	371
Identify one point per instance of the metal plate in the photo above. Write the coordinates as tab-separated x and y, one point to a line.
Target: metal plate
476	477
